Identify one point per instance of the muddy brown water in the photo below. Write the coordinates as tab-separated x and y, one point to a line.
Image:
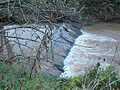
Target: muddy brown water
99	43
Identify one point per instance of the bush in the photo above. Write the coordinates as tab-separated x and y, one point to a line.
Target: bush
61	11
15	78
98	80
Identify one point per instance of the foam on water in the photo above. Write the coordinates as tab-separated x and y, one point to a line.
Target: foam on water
87	52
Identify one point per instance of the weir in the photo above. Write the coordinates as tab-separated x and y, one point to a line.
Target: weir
4	44
31	41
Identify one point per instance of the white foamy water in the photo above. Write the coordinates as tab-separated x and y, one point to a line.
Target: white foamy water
91	48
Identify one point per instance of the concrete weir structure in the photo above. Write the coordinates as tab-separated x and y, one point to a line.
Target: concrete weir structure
99	43
25	41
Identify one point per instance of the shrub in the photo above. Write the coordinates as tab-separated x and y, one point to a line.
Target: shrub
15	78
98	79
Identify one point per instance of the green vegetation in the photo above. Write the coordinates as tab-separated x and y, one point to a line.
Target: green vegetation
15	78
84	10
61	11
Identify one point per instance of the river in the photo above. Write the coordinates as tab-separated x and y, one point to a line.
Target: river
66	49
99	43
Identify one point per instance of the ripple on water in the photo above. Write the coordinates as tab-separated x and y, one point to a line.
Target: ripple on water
92	47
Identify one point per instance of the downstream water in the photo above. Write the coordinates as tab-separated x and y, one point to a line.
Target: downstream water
99	43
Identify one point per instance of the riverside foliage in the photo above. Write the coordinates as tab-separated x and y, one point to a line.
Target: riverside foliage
60	11
15	78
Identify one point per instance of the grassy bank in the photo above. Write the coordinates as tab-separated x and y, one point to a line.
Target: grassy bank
15	78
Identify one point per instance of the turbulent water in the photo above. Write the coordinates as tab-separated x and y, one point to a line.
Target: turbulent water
99	43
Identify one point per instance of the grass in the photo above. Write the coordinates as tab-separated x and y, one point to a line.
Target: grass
15	78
